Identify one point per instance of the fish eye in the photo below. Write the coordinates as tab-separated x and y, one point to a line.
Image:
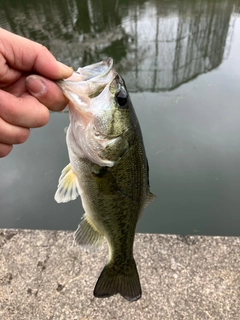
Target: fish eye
122	99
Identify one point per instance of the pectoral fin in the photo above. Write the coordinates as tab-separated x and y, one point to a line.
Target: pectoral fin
68	187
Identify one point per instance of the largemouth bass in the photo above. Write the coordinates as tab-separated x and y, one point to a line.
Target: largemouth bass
108	169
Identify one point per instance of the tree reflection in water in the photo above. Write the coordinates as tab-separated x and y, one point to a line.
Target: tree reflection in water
156	45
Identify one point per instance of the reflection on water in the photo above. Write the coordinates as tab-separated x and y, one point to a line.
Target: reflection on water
156	45
191	131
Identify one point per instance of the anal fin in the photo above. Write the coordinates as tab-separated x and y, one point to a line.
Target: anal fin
86	235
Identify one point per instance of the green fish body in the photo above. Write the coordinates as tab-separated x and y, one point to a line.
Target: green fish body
108	169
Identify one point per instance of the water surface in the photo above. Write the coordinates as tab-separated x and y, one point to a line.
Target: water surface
181	63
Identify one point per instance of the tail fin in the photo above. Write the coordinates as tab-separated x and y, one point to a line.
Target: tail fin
124	281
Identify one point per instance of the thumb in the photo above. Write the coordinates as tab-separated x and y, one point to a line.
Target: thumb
47	92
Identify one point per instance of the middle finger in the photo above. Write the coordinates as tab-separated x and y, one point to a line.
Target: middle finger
25	111
10	134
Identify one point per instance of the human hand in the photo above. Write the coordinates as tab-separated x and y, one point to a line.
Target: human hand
27	88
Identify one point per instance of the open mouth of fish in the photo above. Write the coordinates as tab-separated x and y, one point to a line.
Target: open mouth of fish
88	82
92	91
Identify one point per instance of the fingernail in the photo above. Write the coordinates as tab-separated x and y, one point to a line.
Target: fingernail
67	71
35	85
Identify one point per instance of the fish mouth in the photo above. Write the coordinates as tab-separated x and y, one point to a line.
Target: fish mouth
88	82
96	70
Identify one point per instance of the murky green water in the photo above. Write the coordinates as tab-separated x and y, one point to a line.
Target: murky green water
181	63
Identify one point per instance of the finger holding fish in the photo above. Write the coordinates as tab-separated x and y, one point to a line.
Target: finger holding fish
46	92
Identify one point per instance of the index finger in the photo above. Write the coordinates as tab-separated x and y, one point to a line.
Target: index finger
26	55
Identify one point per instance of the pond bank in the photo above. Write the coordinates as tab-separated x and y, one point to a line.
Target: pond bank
44	276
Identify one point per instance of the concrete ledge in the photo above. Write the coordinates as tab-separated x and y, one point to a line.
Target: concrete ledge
43	276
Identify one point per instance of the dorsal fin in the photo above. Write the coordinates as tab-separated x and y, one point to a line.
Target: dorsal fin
150	198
